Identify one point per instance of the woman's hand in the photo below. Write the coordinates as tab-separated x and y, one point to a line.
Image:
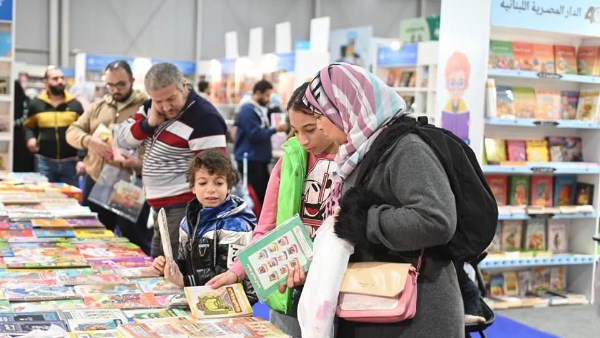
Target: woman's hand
158	265
226	278
296	277
172	273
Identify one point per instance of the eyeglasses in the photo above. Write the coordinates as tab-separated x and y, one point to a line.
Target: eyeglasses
119	85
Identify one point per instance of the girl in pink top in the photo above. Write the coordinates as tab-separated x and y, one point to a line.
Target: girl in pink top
317	185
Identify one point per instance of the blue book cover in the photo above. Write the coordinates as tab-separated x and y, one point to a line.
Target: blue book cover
564	190
5	44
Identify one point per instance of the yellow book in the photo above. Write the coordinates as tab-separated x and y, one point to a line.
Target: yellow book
226	301
93	233
537	151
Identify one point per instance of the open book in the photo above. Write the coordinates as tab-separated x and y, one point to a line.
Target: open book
266	261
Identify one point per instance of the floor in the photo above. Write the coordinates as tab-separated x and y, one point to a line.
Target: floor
575	321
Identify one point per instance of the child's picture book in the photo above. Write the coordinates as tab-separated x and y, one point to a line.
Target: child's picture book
47	305
152	314
497	285
94	324
267	260
525	278
255	326
158	285
94	314
61	233
564	190
558	278
95	334
499	186
50	223
91	279
587	106
29	316
558	241
544	58
107	289
547	104
501	55
537	151
141	272
541	280
505	102
120	262
496	245
518	194
24	294
584	194
13	329
535	238
511	283
587	59
93	233
524	102
573	149
541	190
557	146
495	150
568	105
512	232
565	59
516	150
226	301
121	301
523	55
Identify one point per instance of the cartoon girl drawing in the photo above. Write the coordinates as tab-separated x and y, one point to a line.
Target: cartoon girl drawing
456	115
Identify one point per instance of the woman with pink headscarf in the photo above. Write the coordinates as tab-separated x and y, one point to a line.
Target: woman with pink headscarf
403	204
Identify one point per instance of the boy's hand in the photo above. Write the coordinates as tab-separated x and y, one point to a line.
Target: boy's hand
172	273
226	278
296	277
158	265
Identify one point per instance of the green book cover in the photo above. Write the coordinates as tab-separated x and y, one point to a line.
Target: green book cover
519	190
501	55
266	261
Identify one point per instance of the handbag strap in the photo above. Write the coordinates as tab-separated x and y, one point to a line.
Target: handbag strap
420	259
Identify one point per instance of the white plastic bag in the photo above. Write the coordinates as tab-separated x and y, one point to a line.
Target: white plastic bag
316	310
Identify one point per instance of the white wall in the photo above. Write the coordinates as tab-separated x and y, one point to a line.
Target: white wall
167	28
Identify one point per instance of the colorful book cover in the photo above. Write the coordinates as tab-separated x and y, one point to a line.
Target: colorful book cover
564	190
158	286
541	280
93	233
587	106
557	146
266	261
542	190
120	262
6	44
568	104
512	232
5	250
497	285
587	59
21	328
535	237
110	250
558	241
516	150
505	102
565	59
558	279
584	194
511	283
524	102
107	289
547	104
501	55
524	56
121	301
226	301
64	233
49	223
29	316
525	278
136	330
47	305
45	262
152	314
496	245
495	150
544	58
28	294
499	186
14	233
255	326
137	272
92	279
94	324
84	222
95	334
537	151
518	193
573	149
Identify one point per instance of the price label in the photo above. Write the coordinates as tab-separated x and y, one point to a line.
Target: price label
543	170
543	123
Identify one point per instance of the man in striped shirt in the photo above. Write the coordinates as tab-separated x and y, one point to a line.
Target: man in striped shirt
173	126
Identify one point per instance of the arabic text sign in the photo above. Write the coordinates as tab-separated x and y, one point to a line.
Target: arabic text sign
561	16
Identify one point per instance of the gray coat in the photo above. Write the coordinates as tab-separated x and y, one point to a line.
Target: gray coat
409	205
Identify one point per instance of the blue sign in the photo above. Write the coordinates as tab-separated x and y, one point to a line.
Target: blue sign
301	45
186	67
6	9
560	16
68	71
227	66
97	63
405	56
286	61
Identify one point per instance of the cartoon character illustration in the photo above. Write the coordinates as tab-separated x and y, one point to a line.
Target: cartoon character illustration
520	195
317	188
456	115
213	305
283	241
292	249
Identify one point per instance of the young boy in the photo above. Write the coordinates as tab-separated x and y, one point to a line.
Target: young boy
214	220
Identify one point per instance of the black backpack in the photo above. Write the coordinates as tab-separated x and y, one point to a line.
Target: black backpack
476	208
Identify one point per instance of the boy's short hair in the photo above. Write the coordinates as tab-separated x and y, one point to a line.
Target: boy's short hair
215	162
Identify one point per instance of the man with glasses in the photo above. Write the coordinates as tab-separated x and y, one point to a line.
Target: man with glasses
50	114
120	103
175	125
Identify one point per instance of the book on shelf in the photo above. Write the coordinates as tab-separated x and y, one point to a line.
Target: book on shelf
565	59
499	186
523	55
547	104
226	301
495	150
568	104
505	102
511	283
587	105
267	260
584	193
512	232
558	240
501	55
544	55
518	192
573	149
541	190
525	280
558	279
516	150
497	285
496	244
564	190
587	60
557	145
537	151
535	234
541	280
490	98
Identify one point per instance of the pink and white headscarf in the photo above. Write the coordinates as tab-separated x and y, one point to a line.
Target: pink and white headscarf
360	104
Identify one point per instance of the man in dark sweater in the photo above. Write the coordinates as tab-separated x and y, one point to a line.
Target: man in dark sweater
254	137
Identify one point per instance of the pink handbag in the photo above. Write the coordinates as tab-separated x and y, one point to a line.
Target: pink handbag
379	292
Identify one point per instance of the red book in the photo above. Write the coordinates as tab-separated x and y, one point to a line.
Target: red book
516	150
499	186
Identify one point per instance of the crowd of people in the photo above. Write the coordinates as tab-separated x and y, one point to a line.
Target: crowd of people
179	137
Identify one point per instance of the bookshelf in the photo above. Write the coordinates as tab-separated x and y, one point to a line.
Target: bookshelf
411	70
523	25
7	51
